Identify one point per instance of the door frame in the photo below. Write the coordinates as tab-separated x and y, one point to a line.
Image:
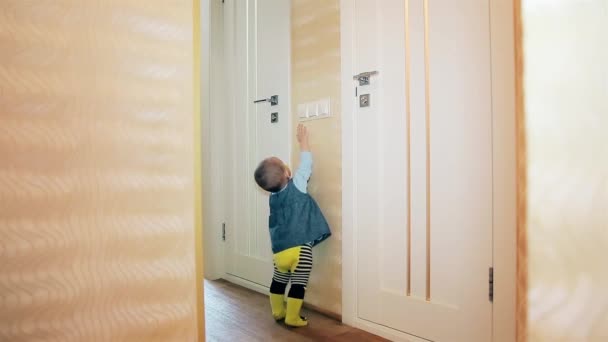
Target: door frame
197	67
212	122
504	176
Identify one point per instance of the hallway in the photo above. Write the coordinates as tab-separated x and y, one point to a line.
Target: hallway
234	313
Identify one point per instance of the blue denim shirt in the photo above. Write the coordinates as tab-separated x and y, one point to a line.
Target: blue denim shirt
295	218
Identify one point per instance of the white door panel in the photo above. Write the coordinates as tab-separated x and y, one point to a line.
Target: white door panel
258	65
423	158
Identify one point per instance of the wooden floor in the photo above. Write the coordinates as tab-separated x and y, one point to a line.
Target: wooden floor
237	314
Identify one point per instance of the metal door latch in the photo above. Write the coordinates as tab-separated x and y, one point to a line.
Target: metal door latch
363	77
364	100
274	100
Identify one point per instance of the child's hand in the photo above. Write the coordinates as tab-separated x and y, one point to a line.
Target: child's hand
303	138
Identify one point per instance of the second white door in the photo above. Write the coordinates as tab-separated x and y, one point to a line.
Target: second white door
423	167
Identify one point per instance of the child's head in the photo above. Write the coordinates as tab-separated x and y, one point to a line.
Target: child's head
272	174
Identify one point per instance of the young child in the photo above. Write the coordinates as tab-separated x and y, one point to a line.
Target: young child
296	225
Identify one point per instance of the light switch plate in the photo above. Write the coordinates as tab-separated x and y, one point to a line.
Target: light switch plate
324	107
302	111
313	109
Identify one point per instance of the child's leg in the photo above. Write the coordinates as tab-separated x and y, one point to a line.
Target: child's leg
277	293
299	281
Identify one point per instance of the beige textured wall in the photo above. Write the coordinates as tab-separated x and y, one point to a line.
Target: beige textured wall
315	34
96	171
566	108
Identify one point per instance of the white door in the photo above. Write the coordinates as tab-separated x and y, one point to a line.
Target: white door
257	33
423	167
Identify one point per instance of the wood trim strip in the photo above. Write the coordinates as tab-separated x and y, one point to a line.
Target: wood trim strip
198	197
522	249
408	115
428	149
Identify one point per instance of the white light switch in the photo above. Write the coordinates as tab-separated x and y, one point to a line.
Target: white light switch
313	110
302	111
323	107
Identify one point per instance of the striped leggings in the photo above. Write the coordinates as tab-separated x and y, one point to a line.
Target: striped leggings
292	265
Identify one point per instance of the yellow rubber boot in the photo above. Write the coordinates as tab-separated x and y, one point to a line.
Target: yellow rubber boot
293	318
278	306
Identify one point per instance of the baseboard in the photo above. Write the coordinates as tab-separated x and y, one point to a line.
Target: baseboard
386	332
246	284
324	312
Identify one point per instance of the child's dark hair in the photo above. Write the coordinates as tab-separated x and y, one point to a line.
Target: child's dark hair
269	175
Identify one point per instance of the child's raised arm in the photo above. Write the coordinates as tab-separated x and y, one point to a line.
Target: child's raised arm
304	170
302	136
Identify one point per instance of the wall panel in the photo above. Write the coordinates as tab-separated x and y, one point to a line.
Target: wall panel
315	65
565	80
96	171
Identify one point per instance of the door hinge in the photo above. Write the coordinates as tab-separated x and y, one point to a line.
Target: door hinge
224	231
491	284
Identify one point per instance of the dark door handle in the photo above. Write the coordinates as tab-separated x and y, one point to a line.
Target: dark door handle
274	100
